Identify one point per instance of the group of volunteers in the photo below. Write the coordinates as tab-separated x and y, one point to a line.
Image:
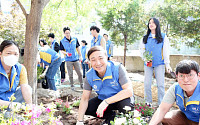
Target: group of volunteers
107	78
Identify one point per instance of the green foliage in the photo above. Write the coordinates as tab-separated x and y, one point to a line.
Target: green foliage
76	103
147	56
12	26
145	110
129	118
181	21
39	72
123	20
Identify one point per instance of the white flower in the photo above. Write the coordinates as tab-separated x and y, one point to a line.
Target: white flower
119	121
136	121
127	108
136	114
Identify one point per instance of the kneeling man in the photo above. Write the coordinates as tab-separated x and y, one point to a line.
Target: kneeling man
186	93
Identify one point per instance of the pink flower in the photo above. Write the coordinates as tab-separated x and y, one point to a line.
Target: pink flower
67	104
57	122
143	113
140	107
59	101
25	123
48	110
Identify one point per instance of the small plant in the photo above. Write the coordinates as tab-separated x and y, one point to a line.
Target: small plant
129	118
39	72
148	58
144	109
76	103
17	114
59	103
67	108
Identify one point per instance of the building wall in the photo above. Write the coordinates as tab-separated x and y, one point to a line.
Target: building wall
135	63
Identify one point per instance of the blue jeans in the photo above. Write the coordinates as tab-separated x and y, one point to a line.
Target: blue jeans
160	78
51	72
85	68
58	77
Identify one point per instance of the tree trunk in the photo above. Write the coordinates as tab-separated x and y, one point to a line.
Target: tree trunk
33	21
125	39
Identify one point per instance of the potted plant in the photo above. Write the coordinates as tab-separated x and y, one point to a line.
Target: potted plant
148	58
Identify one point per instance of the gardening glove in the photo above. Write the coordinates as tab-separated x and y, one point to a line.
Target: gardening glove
79	123
44	73
102	108
80	59
68	54
168	68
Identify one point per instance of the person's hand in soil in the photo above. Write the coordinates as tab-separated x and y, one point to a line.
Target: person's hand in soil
102	108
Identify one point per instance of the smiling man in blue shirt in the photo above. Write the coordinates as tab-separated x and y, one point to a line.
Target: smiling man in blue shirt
186	95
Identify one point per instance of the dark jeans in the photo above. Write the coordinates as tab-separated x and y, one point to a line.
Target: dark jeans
51	72
62	70
85	68
109	114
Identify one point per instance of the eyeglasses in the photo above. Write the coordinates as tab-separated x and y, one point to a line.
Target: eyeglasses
189	76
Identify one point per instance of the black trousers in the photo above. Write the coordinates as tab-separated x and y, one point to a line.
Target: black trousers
109	114
62	70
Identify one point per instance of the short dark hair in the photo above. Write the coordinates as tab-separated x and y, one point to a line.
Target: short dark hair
94	49
51	35
95	28
185	66
7	43
43	41
83	41
105	34
66	28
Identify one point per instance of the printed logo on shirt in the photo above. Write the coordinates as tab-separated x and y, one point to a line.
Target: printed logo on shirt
95	88
114	83
195	110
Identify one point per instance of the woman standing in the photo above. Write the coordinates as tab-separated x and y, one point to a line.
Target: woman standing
84	63
13	74
156	44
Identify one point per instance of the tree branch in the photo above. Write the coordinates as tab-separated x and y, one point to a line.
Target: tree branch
45	2
22	8
75	1
60	3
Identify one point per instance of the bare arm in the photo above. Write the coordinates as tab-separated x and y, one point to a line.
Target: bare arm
65	53
103	43
79	53
26	93
125	93
83	104
160	113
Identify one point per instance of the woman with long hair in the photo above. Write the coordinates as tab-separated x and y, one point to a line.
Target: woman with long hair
155	44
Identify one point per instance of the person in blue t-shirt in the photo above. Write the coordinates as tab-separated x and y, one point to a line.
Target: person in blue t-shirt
52	61
69	46
13	77
84	63
186	95
97	39
109	46
112	84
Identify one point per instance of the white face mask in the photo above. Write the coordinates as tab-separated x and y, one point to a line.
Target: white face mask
10	60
